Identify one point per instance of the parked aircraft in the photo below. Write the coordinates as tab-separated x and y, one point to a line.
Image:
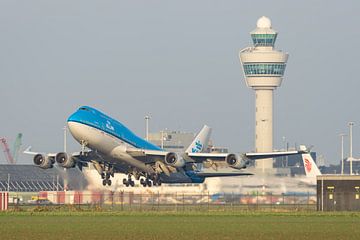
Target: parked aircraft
311	169
111	148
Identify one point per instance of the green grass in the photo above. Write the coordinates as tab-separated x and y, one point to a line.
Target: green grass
181	225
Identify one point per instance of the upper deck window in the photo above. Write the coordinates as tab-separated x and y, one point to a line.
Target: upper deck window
85	109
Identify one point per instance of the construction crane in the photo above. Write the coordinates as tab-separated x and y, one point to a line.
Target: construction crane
6	149
16	147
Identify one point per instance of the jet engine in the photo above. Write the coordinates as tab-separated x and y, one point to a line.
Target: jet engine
64	160
43	161
174	160
235	161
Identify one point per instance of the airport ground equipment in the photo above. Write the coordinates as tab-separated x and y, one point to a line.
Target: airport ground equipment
264	68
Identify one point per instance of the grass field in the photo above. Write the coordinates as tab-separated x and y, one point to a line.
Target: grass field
185	225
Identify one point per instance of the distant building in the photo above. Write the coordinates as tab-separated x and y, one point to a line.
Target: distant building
29	178
177	141
173	141
338	193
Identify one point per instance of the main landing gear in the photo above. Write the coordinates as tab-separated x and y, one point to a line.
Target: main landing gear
128	182
106	175
106	179
145	182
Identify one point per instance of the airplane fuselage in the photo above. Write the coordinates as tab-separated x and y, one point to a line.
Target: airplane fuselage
110	138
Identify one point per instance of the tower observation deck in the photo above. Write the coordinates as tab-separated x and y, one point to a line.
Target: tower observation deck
263	67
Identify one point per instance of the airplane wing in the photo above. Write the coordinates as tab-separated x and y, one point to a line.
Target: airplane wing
255	156
29	152
69	160
222	174
234	160
201	157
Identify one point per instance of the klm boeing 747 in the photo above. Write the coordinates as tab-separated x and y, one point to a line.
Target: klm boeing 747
113	148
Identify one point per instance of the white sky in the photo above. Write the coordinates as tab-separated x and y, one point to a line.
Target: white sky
178	62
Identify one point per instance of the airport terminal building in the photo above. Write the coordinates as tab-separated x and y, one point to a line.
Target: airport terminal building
30	178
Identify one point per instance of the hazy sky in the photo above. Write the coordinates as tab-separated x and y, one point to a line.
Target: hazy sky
177	61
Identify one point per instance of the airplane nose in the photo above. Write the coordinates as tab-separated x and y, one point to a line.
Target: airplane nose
72	118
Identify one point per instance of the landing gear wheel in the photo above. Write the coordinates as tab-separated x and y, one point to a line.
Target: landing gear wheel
132	183
109	182
103	175
143	182
148	182
124	181
104	182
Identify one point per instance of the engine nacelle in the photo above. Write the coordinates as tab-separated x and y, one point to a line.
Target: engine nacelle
236	161
43	161
64	160
174	160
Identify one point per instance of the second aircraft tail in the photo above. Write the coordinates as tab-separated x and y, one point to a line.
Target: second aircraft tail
310	167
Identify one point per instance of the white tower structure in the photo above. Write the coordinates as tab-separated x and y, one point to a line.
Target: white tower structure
263	69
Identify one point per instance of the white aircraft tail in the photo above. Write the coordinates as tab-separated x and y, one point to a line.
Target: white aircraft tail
310	167
200	142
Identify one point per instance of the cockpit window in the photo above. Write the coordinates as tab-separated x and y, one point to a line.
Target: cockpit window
85	109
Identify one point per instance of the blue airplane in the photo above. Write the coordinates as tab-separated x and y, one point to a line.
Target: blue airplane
113	148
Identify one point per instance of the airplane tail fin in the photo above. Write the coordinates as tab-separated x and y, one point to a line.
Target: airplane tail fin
200	142
310	167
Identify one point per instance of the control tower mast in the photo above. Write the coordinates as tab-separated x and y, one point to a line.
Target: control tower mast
264	70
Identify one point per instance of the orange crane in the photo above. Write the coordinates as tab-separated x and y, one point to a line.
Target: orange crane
7	153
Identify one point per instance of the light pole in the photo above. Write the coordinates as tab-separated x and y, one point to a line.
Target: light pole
342	135
284	157
65	133
162	139
8	183
147	127
351	124
65	180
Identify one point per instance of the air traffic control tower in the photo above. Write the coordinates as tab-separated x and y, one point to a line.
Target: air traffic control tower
264	70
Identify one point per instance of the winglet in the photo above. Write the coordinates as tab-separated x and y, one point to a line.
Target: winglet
27	150
303	148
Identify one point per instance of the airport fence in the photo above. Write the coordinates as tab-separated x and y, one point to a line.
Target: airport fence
157	201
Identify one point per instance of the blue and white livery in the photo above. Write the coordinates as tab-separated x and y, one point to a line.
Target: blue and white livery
111	147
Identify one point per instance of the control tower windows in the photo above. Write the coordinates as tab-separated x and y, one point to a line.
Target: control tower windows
264	69
264	39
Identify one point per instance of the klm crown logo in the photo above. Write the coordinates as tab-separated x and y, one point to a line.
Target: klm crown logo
109	126
198	147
